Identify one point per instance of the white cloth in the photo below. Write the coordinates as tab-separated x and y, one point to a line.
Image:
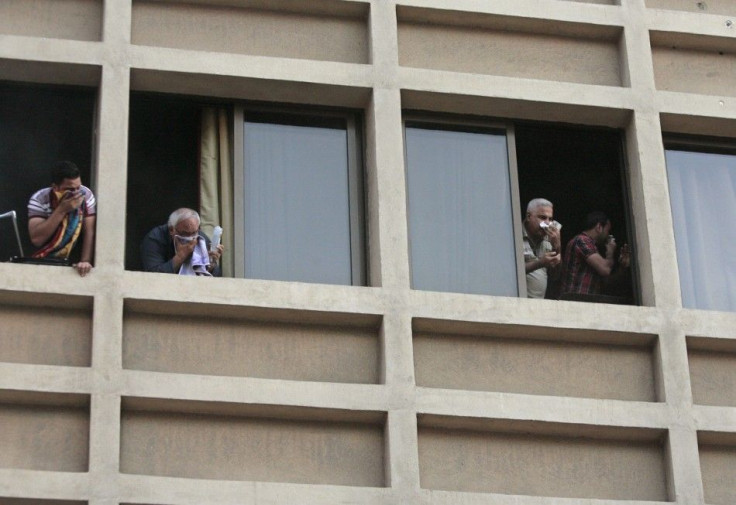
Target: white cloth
198	262
703	199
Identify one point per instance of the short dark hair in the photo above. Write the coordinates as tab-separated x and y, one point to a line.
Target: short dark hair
595	218
64	170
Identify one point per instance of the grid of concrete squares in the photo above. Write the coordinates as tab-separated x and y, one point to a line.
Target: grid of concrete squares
134	388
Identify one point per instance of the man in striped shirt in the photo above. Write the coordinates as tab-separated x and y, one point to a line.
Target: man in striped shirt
60	214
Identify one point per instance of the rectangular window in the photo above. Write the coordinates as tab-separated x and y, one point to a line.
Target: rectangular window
702	182
460	210
298	198
468	186
39	126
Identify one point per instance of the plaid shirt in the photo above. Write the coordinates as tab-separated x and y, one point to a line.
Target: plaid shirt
577	275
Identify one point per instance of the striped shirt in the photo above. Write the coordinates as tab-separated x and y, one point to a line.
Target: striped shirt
40	203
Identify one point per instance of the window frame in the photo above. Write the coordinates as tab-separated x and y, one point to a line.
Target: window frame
79	100
693	144
473	125
355	175
709	145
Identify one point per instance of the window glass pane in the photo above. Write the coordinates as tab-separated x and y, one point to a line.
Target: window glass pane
703	198
297	216
460	220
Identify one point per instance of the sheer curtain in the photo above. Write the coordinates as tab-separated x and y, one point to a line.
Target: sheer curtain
703	199
297	203
460	219
215	181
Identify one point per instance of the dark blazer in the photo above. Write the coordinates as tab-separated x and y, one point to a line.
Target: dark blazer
157	251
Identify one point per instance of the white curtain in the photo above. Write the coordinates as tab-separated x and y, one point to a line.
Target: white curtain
703	199
297	202
460	220
215	181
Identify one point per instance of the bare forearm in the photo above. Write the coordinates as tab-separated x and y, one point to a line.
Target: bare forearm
600	264
41	230
88	241
533	265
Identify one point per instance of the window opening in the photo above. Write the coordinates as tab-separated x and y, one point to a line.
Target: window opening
580	170
39	126
467	202
296	184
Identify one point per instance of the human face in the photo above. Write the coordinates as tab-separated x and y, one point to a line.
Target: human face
72	185
535	218
603	232
185	228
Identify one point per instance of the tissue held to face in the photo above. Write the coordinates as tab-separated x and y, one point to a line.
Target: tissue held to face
185	233
540	220
552	224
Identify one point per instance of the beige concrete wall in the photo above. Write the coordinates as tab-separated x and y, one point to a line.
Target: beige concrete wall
237	448
713	377
44	437
52	336
59	19
708	72
541	466
717	463
250	349
509	54
249	31
534	367
114	388
704	7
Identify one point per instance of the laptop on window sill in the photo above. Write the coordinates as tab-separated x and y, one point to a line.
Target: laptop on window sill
63	262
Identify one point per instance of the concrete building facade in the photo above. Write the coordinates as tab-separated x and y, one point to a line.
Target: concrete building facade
126	387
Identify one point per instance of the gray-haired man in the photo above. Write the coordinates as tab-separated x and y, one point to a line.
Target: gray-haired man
179	243
541	246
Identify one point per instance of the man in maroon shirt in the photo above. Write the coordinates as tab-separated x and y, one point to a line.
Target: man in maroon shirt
584	268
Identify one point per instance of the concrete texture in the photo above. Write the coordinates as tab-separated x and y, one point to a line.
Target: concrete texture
251	349
691	71
248	31
316	394
717	463
48	337
511	54
58	19
541	466
534	367
703	7
713	377
48	438
236	448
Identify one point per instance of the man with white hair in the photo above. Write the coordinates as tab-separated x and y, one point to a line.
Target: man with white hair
541	246
180	247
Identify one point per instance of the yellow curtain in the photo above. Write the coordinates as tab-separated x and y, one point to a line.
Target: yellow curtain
215	183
